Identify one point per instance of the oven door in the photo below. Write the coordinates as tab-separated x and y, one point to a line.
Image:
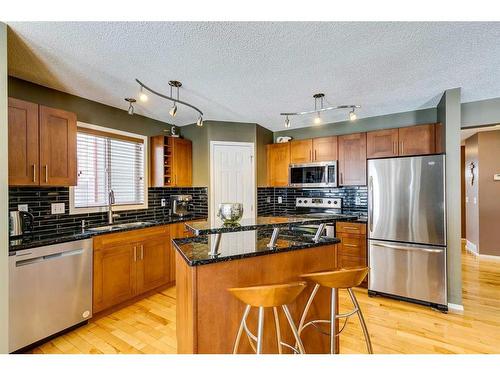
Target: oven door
322	174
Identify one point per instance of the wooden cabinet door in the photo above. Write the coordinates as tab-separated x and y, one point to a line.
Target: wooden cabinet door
382	143
153	263
417	140
278	161
352	159
114	275
324	148
301	151
57	147
23	143
183	162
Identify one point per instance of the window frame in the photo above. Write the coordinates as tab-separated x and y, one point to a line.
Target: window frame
87	210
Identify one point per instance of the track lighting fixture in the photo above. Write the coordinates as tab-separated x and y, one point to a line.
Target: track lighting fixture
318	108
142	96
130	102
200	121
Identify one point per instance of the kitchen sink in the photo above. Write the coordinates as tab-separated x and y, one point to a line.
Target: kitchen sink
107	228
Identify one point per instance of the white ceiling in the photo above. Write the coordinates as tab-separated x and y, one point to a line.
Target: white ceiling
250	72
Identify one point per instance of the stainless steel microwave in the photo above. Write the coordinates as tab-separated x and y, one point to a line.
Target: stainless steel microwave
321	174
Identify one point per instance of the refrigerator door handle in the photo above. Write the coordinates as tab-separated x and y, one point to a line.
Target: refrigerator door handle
370	203
399	247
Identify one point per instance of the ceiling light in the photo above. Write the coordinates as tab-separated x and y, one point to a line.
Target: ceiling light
130	102
173	110
200	121
142	96
287	122
352	115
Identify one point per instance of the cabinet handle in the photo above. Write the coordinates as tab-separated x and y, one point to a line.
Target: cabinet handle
310	155
34	172
341	178
402	147
46	173
142	252
394	148
135	253
350	245
351	228
315	156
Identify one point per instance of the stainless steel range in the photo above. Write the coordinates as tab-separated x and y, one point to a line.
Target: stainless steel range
318	207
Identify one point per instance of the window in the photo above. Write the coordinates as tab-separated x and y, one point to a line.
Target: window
109	161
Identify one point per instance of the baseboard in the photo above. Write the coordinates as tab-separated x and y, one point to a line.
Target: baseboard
492	257
455	307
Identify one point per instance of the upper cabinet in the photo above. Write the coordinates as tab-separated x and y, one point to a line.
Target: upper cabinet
382	143
171	162
278	160
42	145
412	140
352	159
313	150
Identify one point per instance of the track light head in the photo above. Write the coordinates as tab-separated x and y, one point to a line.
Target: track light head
173	110
317	119
200	121
142	96
287	122
130	102
352	115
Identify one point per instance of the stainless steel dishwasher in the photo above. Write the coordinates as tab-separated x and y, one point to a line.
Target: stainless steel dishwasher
50	290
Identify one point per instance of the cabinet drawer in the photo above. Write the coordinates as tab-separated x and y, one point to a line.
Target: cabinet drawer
354	228
131	236
351	261
353	246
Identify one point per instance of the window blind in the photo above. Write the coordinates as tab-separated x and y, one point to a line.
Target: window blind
106	163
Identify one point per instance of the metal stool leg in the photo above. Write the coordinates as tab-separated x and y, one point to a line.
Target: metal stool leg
260	330
362	320
240	330
333	319
294	329
277	326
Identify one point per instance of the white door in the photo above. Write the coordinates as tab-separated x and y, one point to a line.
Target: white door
232	176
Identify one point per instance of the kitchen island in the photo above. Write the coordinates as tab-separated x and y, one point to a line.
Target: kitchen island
208	316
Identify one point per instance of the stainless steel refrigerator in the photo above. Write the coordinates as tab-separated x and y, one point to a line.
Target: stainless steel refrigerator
407	228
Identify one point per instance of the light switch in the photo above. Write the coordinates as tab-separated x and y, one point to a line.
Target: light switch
22	207
57	208
496	177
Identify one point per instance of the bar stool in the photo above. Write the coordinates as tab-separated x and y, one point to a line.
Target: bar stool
266	296
344	278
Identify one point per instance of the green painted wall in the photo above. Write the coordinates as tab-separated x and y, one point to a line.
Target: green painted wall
449	114
482	112
86	110
395	120
4	196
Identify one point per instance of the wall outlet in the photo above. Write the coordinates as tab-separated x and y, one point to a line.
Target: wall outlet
268	200
357	201
280	200
22	207
57	208
163	202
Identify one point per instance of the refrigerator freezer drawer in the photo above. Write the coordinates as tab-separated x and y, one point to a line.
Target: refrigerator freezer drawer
406	270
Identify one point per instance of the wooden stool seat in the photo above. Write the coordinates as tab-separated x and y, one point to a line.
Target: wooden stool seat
340	278
269	295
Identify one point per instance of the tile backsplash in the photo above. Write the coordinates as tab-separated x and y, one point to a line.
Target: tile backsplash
354	199
39	202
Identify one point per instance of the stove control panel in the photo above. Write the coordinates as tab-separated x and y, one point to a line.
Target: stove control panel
318	202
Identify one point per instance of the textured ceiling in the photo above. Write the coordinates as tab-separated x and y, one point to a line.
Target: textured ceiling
250	72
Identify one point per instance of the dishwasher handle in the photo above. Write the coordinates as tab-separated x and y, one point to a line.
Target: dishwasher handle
43	258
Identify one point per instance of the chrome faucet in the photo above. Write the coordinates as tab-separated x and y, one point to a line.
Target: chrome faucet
111	202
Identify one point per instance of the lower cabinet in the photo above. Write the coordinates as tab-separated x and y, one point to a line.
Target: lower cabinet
127	264
352	248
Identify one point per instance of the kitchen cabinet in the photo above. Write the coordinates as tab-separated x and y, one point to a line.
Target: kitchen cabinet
382	143
440	147
177	230
352	159
42	145
301	151
278	161
23	143
352	247
324	148
128	264
417	140
171	162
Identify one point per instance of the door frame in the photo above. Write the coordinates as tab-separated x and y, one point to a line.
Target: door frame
213	144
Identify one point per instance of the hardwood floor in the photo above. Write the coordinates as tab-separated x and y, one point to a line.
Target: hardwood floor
148	326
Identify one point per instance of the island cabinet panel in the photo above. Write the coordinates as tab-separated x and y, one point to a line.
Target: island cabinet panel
352	247
127	264
352	159
177	230
23	143
57	147
301	151
208	316
278	161
417	140
382	143
324	148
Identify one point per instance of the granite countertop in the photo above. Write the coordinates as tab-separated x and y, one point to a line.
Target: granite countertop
45	238
239	245
263	222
